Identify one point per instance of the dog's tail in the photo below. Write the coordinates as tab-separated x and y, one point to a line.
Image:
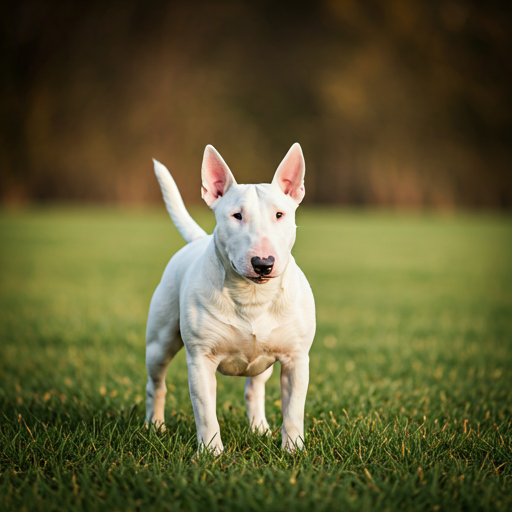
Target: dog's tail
186	225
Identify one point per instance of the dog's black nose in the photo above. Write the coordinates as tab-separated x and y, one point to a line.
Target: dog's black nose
262	266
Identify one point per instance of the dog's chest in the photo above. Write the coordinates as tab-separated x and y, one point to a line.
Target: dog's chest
243	334
252	345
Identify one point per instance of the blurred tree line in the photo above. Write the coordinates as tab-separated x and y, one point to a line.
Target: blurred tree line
395	102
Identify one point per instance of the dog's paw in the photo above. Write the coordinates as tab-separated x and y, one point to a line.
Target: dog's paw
292	446
156	424
214	450
217	450
262	429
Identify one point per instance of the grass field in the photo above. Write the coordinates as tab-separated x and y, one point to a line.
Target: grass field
410	398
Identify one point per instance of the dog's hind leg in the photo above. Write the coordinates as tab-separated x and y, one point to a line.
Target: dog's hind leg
255	400
161	347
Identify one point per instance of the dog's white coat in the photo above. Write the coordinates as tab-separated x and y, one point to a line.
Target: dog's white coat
228	317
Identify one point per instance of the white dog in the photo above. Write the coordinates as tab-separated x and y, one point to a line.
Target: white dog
236	299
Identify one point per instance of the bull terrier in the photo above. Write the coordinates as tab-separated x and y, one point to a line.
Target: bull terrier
235	299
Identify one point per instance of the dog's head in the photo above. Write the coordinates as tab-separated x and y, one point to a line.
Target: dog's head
255	229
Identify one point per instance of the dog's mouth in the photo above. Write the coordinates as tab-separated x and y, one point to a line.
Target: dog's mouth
260	279
254	279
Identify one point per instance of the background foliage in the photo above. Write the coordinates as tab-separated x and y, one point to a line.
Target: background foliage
395	103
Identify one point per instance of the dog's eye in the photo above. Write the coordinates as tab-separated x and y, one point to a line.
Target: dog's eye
238	216
279	215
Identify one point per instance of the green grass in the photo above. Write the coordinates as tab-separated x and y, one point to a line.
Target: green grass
410	401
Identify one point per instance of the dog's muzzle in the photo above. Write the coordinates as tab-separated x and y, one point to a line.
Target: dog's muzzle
262	270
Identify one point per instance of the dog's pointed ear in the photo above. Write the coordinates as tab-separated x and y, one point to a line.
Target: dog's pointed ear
216	176
290	174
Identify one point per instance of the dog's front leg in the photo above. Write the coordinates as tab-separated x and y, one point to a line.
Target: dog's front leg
294	387
203	394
